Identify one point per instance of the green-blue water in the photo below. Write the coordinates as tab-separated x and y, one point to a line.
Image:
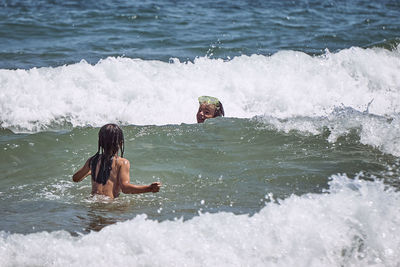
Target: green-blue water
302	171
222	165
53	33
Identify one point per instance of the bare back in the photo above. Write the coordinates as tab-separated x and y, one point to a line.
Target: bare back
118	180
112	188
115	180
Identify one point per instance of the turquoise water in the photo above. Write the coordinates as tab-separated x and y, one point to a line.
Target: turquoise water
228	165
303	170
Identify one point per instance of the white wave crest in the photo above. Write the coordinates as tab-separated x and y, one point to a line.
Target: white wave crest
355	224
380	132
133	91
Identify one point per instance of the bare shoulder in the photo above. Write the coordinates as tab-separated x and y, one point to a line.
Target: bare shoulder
123	162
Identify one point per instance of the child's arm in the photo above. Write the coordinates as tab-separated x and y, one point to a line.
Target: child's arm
82	172
128	188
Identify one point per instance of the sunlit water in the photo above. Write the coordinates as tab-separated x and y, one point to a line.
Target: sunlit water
303	170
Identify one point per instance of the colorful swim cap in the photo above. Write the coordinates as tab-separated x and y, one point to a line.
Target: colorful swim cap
209	100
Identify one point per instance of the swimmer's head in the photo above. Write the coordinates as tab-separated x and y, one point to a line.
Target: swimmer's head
111	139
210	107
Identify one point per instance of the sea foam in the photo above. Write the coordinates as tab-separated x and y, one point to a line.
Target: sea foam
287	85
381	132
354	224
135	91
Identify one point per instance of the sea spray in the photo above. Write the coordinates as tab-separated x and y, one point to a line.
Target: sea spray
354	223
140	92
381	132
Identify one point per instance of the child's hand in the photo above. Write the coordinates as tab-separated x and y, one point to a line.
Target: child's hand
155	187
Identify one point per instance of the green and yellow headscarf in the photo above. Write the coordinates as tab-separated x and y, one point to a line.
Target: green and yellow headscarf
205	99
209	100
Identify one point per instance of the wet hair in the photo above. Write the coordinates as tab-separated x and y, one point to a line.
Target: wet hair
210	100
111	139
219	111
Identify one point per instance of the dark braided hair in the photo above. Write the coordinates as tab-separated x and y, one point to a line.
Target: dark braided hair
111	139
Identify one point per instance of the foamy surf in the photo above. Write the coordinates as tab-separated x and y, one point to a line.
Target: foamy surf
140	92
310	88
354	224
352	89
381	132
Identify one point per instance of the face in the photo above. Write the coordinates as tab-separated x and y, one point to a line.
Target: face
206	111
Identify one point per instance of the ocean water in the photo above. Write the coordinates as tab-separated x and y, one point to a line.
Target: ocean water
304	170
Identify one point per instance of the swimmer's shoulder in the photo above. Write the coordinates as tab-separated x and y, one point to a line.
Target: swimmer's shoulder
122	161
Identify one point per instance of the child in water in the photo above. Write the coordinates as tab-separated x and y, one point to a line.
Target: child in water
110	172
210	107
